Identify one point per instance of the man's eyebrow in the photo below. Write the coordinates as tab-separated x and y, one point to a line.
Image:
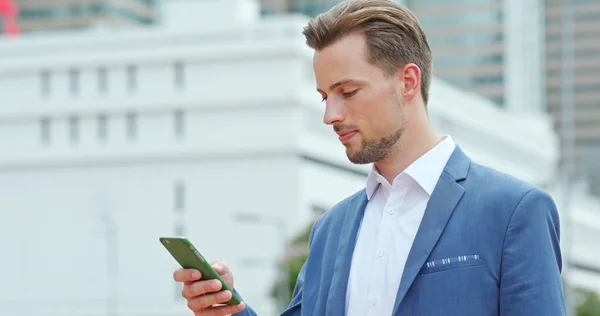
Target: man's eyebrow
339	83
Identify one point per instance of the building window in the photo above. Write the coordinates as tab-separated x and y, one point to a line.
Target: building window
132	77
179	75
131	119
102	127
103	79
179	123
74	81
97	9
73	129
76	10
45	130
45	77
179	197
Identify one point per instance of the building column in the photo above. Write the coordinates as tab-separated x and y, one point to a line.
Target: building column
524	84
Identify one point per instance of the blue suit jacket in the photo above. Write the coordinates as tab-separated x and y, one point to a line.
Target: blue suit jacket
488	244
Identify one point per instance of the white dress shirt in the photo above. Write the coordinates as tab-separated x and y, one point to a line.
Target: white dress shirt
391	220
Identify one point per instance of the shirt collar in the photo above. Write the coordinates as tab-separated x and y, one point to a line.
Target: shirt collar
373	181
425	171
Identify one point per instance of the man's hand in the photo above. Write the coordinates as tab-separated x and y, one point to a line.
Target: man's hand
205	298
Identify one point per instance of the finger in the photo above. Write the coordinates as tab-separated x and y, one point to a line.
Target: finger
192	290
186	275
220	267
203	301
223	310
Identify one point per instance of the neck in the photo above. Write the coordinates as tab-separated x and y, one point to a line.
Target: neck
418	138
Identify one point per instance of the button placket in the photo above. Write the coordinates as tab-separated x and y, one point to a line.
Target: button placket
378	276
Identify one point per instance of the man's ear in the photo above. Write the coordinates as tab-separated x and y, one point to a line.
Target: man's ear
410	78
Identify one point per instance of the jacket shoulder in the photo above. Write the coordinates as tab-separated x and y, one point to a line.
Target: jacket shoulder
499	188
505	183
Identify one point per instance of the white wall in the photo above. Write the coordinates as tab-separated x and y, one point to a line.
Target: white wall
57	245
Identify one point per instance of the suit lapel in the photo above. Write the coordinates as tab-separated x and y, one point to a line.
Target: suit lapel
341	271
442	202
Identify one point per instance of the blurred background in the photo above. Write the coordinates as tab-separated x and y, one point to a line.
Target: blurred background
126	120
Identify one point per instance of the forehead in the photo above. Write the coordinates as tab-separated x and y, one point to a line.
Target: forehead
350	48
345	58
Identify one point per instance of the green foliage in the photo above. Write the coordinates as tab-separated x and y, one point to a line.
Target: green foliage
294	262
588	303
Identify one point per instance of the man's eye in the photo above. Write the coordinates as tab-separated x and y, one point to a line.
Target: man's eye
349	94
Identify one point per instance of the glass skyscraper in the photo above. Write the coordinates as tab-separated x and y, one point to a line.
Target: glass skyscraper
585	47
44	15
308	7
468	43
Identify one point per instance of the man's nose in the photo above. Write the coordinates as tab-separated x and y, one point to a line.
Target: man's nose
334	112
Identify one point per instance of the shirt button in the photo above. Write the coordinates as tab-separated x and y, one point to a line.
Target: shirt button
390	211
374	301
380	253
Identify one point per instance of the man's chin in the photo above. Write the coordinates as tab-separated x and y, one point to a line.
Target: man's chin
360	162
357	158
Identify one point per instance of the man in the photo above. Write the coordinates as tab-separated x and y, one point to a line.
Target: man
433	233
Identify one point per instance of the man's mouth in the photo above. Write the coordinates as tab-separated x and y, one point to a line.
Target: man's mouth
346	136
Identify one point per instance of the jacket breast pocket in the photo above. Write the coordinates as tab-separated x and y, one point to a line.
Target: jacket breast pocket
451	263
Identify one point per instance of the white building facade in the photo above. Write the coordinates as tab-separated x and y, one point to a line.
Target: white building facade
111	140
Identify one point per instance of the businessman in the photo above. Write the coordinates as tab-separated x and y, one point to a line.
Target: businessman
432	232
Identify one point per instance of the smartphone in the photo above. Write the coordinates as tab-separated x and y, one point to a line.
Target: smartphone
188	257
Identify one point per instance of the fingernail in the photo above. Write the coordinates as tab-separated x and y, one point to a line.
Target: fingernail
196	275
224	295
216	285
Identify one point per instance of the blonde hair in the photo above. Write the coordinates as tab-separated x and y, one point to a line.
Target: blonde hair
393	35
